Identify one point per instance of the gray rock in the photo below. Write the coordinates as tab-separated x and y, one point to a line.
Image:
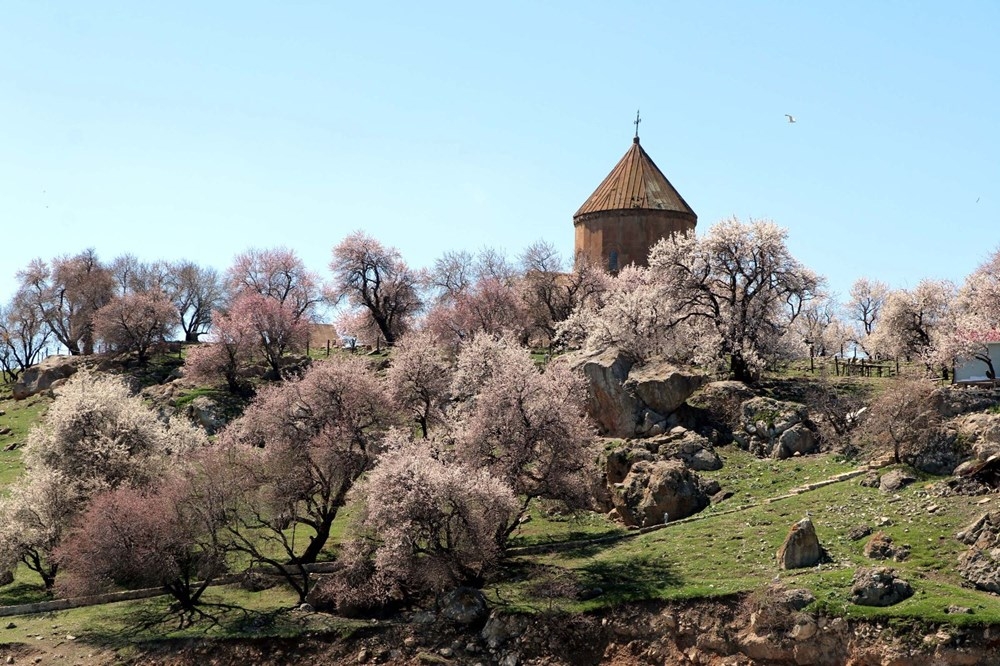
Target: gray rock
796	440
654	490
662	386
6	578
614	409
894	480
207	413
879	587
40	377
465	606
801	547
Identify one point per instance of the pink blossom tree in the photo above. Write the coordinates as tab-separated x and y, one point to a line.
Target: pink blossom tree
912	322
425	524
66	293
375	279
255	327
306	443
975	318
144	538
527	428
419	377
136	322
488	306
741	280
33	519
276	273
96	436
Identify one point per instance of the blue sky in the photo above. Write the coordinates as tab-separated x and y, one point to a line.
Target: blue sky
196	130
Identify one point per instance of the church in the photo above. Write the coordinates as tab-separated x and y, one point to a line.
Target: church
633	208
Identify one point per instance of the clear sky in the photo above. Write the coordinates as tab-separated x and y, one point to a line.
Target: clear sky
199	129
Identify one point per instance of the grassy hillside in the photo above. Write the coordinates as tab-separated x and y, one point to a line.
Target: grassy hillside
729	548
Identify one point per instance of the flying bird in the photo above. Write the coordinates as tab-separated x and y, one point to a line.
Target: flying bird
791	118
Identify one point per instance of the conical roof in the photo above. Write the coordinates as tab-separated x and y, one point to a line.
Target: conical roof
635	182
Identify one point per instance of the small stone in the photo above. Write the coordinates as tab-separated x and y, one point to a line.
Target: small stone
958	610
409	641
363	656
445	652
11	625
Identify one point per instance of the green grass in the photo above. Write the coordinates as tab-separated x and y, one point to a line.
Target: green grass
121	626
725	553
19	417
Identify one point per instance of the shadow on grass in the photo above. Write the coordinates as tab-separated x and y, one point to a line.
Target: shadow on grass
23	593
629	577
574	535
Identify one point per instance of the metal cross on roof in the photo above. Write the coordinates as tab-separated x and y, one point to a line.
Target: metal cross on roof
636	123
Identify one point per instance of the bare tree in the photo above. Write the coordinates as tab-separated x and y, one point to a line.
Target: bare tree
23	335
195	291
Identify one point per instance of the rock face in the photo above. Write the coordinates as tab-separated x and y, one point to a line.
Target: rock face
40	377
654	492
801	547
895	480
980	564
626	400
690	448
775	429
981	431
879	586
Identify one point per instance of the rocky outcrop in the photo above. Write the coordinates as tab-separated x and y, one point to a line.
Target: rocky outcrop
980	564
626	399
207	413
772	428
879	586
981	431
801	547
40	377
688	447
657	492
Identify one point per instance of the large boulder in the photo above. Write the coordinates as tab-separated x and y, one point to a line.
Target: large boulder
465	606
894	480
981	431
40	377
801	547
626	399
614	409
772	428
662	386
879	586
656	492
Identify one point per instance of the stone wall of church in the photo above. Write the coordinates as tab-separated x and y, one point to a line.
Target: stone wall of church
615	239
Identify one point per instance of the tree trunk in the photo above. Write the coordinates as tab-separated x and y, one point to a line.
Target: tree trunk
316	542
